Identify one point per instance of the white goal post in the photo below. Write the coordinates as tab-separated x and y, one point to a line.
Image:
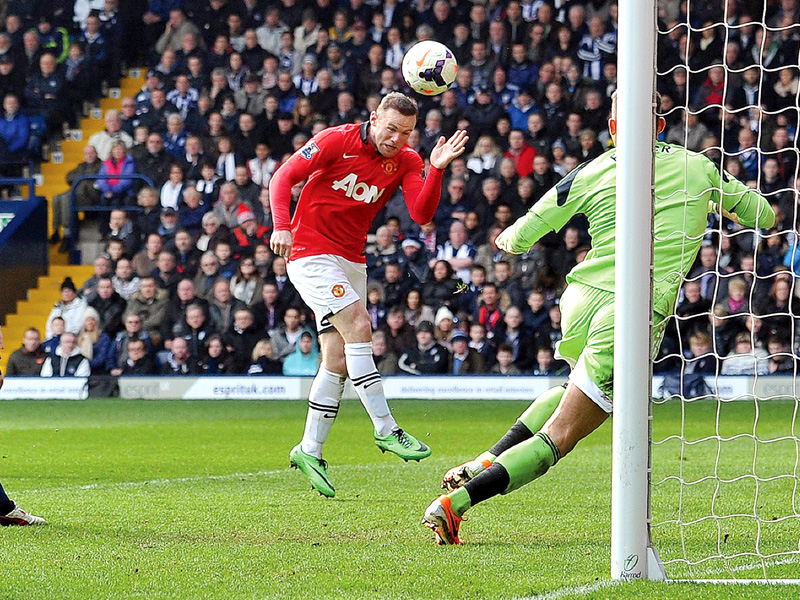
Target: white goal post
630	539
751	524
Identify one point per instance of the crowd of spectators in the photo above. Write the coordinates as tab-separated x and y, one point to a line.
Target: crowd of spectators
187	282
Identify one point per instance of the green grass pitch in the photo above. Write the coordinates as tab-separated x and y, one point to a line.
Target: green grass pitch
151	499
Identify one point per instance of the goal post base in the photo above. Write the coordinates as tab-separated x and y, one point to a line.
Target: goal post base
655	568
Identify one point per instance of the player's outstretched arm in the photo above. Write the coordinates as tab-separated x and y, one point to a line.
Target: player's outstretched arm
446	150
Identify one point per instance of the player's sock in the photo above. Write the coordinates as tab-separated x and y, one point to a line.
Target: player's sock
6	504
536	415
323	406
531	421
528	460
365	377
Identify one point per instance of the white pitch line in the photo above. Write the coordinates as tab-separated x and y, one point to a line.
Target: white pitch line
576	590
583	590
149	482
152	482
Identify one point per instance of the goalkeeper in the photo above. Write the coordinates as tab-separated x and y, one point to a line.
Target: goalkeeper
687	186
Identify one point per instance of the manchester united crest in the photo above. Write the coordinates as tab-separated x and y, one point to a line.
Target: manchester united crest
337	291
389	166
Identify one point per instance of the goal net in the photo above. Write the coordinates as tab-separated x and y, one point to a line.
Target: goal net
725	451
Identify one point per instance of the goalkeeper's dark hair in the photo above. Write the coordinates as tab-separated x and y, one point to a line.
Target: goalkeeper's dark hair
400	102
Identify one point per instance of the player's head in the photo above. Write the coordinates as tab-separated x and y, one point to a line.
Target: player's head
612	121
392	122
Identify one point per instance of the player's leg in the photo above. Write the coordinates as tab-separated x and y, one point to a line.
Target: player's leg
528	423
353	324
577	304
585	406
576	417
323	406
11	514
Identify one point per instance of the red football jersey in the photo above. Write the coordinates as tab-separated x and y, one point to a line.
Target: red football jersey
348	183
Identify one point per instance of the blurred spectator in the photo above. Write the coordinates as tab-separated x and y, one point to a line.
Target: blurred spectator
155	161
187	257
240	340
179	361
463	359
439	290
248	234
93	343
122	229
110	306
744	359
146	259
385	360
426	357
44	94
520	152
457	252
14	134
165	273
67	361
138	361
27	361
222	306
57	330
208	276
70	308
246	284
304	361
118	353
150	304
168	226
781	359
175	313
195	329
504	364
700	358
264	362
86	194
117	190
284	337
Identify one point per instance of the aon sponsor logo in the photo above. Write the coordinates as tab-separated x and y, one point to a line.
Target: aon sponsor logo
358	190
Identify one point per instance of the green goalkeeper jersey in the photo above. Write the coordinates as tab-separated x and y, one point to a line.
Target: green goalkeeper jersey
687	186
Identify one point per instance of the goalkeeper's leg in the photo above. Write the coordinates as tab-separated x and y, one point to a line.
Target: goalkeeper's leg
576	417
531	421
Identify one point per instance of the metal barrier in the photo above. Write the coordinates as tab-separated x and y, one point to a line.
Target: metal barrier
74	255
29	181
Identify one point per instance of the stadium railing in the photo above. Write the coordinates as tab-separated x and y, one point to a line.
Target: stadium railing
74	254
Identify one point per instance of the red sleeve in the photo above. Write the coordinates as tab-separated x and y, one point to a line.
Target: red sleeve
297	168
422	195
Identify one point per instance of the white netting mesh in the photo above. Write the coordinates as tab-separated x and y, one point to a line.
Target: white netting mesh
724	495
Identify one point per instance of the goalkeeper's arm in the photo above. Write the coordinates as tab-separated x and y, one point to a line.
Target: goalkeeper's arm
744	204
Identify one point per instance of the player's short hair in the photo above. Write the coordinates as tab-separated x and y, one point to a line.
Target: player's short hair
399	102
656	101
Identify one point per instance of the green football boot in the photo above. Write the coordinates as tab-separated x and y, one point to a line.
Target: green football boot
405	445
315	469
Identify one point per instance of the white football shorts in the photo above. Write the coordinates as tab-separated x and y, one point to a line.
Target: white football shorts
328	283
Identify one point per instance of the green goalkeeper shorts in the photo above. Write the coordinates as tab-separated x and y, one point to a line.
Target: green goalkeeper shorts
587	325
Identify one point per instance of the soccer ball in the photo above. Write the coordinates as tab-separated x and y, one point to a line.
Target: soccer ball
429	68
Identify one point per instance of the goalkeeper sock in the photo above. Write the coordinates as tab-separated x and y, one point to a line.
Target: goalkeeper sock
532	420
528	460
365	377
6	504
323	406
